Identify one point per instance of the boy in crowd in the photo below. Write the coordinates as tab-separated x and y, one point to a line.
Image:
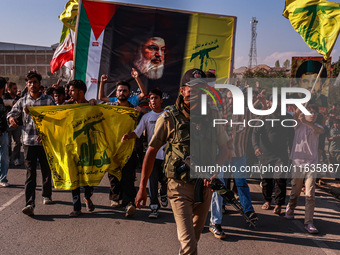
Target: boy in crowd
59	95
148	123
77	92
304	154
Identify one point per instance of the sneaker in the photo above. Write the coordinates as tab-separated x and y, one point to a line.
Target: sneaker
311	229
164	200
289	215
74	213
47	201
114	204
89	205
4	184
28	210
154	211
16	162
216	229
130	210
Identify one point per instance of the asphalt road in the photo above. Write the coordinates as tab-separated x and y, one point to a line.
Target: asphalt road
107	231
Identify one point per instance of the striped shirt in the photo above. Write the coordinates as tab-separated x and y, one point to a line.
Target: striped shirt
30	133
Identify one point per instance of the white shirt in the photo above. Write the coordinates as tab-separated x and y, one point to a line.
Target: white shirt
148	122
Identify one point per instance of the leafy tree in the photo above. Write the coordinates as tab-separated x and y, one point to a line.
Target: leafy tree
286	64
336	69
277	63
248	74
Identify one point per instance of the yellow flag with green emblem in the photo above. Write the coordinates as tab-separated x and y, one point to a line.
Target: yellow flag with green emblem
83	142
69	15
317	21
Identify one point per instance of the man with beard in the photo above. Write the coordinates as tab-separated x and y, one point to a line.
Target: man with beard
150	58
133	99
125	188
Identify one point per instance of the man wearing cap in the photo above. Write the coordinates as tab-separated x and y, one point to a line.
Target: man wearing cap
173	126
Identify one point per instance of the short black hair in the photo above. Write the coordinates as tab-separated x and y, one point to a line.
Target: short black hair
59	90
124	83
11	84
3	82
314	107
78	84
157	92
32	74
49	91
311	66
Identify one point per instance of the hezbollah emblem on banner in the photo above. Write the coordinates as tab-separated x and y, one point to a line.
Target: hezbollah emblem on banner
83	142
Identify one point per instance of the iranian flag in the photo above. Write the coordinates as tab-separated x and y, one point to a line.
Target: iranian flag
63	55
160	43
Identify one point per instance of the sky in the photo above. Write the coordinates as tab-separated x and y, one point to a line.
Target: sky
35	22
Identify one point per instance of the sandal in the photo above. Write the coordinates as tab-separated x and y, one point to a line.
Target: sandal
266	206
277	209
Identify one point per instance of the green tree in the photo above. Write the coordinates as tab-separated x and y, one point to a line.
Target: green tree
277	63
248	74
286	64
336	69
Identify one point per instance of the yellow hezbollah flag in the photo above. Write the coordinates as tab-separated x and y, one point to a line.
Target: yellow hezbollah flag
210	44
317	21
82	142
69	15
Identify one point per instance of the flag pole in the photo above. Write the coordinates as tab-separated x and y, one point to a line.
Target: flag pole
318	77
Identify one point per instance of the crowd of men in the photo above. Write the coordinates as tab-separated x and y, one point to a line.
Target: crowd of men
168	137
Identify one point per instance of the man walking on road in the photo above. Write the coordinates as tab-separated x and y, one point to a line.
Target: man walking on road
147	123
173	126
33	149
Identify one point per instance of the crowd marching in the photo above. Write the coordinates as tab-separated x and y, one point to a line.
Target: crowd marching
168	137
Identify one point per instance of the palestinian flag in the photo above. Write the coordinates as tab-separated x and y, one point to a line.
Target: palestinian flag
161	44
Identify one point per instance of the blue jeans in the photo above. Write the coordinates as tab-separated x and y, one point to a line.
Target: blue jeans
242	188
4	160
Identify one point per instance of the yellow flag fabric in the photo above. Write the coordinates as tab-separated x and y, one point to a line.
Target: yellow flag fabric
82	142
64	34
317	21
69	15
210	44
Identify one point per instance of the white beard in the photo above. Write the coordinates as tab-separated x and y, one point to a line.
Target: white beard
148	69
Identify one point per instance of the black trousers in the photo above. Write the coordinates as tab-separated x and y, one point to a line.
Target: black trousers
76	196
125	188
31	155
156	176
280	185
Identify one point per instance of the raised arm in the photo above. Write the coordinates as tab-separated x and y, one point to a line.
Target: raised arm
317	129
103	80
143	92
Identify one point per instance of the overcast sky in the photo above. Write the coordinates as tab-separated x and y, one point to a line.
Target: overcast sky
35	22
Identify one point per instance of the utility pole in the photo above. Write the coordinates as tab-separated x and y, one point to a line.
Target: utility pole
252	52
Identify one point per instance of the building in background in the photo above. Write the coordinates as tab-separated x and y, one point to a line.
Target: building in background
17	59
